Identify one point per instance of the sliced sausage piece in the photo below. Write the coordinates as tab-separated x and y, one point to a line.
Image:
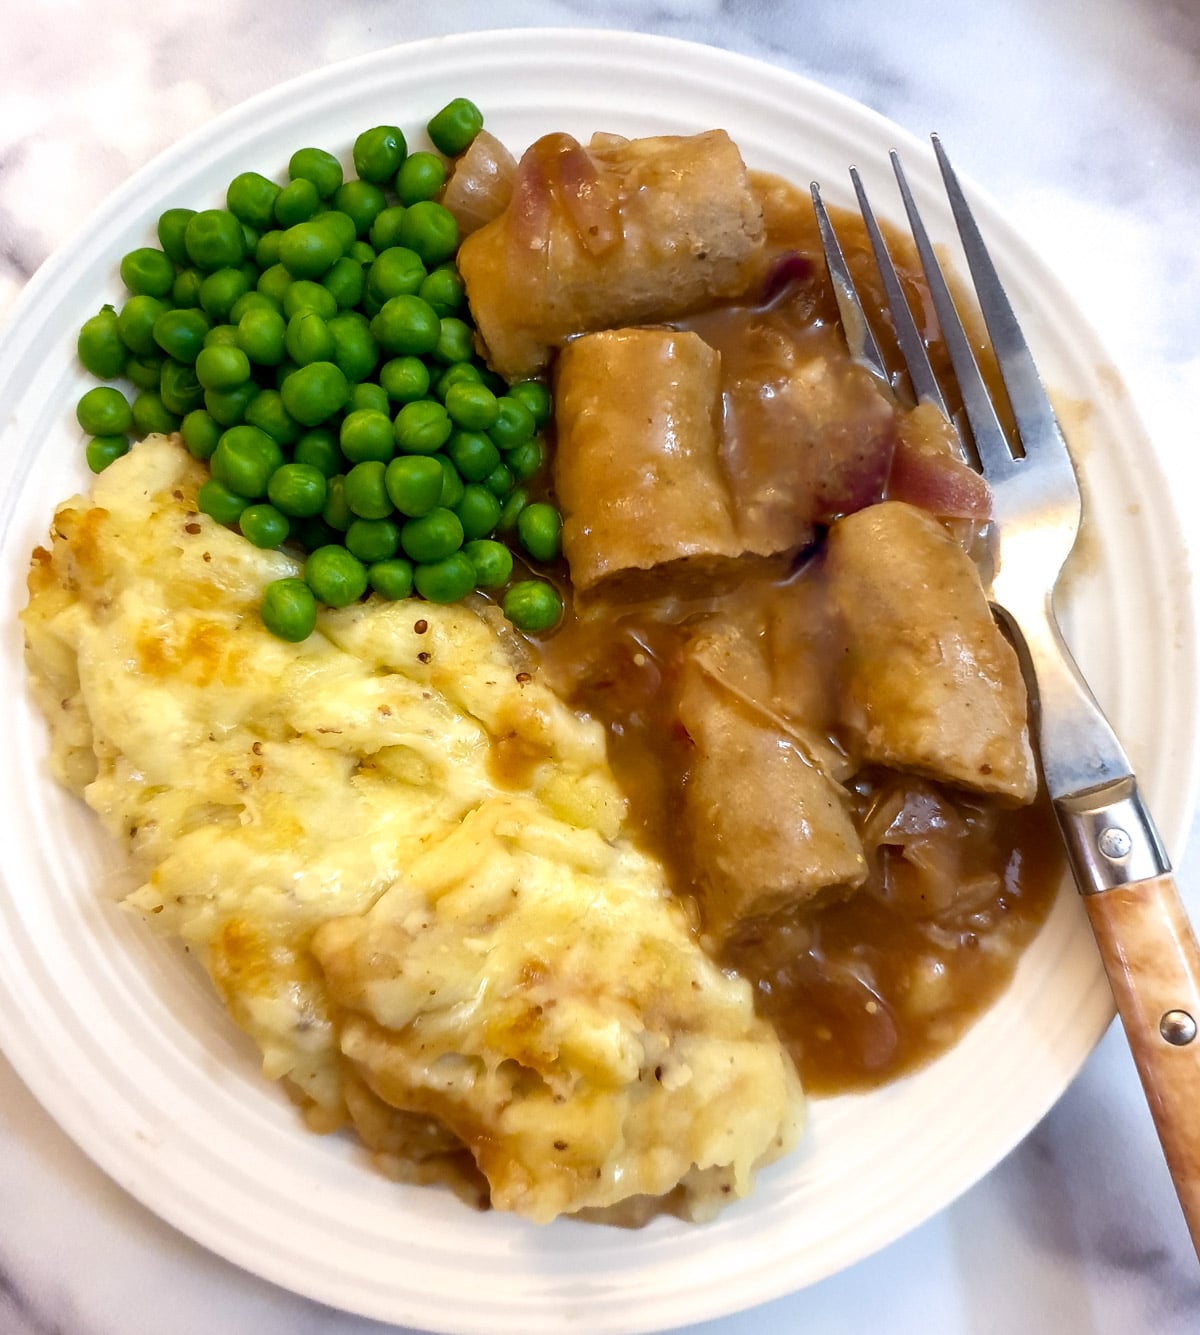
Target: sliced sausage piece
928	682
768	828
619	233
637	471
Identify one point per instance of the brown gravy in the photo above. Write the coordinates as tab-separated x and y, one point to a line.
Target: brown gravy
867	989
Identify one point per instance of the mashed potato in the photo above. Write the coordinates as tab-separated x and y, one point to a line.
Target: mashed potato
404	862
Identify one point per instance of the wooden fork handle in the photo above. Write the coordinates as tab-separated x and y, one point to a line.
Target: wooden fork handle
1153	965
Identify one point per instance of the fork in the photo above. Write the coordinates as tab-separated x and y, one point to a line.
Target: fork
1145	941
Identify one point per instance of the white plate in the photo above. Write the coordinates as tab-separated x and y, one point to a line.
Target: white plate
120	1036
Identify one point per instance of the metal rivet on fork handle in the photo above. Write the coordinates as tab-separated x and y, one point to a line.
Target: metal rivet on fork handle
1178	1028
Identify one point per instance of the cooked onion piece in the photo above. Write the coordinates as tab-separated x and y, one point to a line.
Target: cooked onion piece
481	184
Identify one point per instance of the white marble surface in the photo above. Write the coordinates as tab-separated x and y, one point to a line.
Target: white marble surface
1082	119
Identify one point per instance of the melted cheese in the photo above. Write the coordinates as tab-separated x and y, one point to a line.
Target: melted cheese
416	940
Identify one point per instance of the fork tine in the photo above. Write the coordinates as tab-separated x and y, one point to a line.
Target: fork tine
912	345
990	442
1036	423
854	318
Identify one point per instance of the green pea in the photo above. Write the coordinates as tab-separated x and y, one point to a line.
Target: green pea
251	199
266	411
533	605
473	453
289	610
297	489
526	459
221	336
433	536
104	450
472	406
314	392
180	334
264	525
492	561
366	491
340	226
367	434
104	411
452	483
219	502
385	230
456	341
317	166
135	324
391	579
283	370
145	372
422	427
396	272
421	176
308	339
229	406
179	387
536	397
443	289
275	283
335	576
309	249
510	511
500	481
445	581
373	540
355	350
172	227
461	373
335	513
151	415
378	153
404	379
261	334
478	511
415	483
454	128
318	448
431	231
266	250
213	239
245	459
362	201
222	367
185	290
539	527
147	272
310	534
367	395
201	432
347	281
362	253
514	424
253	301
220	290
305	295
99	345
407	325
296	202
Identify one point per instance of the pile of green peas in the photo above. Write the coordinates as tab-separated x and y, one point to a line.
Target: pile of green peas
311	343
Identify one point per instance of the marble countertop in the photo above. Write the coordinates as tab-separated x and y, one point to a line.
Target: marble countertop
1083	122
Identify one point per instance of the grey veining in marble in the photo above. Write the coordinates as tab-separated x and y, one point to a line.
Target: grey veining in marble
1082	118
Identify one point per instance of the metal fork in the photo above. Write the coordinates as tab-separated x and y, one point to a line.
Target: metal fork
1147	945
